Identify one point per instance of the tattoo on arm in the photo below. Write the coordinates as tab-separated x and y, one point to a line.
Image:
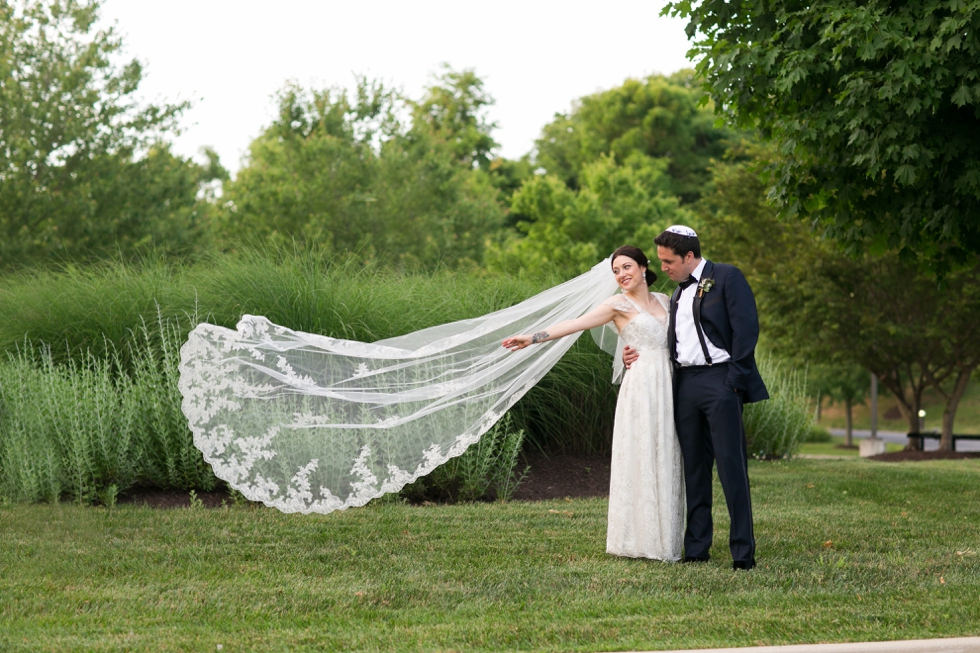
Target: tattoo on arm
540	336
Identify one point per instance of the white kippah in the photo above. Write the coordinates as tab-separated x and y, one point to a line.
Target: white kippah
682	230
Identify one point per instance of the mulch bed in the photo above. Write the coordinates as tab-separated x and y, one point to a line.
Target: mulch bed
550	477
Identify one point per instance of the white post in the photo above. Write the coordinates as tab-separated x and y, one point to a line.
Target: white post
874	406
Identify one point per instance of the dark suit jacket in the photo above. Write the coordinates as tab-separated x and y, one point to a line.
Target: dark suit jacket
730	320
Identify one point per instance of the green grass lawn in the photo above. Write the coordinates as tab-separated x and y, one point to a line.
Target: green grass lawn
849	550
832	448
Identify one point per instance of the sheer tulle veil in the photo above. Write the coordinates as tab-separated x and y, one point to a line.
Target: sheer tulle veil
307	423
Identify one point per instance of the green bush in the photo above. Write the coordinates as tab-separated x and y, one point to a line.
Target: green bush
86	430
777	427
818	434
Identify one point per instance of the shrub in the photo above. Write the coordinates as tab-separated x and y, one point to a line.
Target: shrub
86	429
818	434
777	427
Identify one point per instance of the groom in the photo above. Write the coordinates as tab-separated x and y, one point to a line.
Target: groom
711	337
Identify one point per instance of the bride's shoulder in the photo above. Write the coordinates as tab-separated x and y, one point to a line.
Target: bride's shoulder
619	303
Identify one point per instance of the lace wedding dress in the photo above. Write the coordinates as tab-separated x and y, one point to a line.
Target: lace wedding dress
646	496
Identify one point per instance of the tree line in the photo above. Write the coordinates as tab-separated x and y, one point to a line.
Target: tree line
825	148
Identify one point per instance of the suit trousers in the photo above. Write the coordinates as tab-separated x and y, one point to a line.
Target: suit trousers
708	415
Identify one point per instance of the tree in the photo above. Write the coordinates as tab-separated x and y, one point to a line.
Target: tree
875	311
338	170
83	168
570	230
454	111
658	117
848	384
874	108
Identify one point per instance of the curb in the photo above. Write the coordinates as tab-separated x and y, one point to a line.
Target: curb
950	645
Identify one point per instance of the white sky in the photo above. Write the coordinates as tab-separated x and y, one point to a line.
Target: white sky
230	57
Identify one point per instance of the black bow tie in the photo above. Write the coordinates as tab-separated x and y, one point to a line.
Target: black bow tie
687	282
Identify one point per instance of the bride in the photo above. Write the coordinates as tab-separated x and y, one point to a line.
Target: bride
308	423
646	501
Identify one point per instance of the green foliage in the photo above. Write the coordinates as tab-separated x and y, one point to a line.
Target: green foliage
453	111
656	117
339	171
776	428
88	430
874	107
818	434
569	230
817	304
488	466
83	170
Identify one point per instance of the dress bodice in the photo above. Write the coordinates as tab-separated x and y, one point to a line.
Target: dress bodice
643	332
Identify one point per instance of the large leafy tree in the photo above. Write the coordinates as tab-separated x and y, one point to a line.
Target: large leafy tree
338	169
568	230
82	168
875	107
874	310
658	117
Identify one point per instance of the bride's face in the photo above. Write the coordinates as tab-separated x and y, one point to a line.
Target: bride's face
630	275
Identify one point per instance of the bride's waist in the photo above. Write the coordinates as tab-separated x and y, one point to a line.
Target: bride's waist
646	346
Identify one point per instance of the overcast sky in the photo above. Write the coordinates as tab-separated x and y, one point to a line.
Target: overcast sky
536	57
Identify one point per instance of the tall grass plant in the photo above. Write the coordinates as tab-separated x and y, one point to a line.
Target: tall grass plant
85	429
777	427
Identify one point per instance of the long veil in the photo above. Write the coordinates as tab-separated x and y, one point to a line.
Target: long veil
307	423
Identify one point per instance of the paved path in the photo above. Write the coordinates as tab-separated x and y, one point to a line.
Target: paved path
951	645
900	437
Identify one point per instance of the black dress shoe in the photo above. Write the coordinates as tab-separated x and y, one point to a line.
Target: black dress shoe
687	559
744	565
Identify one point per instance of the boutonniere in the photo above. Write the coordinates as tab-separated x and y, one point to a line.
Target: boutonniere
705	286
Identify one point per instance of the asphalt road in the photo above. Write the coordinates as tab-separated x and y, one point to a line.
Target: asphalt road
899	437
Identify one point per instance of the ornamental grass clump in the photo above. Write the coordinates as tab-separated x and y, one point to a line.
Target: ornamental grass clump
776	428
89	427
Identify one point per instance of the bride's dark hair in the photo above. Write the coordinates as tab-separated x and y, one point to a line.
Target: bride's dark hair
637	255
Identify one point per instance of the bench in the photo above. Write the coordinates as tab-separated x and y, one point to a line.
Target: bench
917	440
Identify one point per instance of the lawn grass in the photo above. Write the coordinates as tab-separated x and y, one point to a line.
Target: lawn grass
832	448
849	550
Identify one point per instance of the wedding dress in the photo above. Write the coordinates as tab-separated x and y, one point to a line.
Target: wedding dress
646	496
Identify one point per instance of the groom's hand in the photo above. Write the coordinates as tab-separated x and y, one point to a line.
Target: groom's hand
630	356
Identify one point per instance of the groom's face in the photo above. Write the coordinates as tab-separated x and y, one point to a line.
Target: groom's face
678	268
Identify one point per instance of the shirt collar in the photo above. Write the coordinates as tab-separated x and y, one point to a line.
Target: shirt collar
698	271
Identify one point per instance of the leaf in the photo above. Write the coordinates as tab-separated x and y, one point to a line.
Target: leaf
962	96
905	174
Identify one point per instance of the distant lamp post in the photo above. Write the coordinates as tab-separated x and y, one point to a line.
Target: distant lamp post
874	406
922	421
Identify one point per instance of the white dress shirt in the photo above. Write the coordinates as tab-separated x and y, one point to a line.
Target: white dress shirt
688	346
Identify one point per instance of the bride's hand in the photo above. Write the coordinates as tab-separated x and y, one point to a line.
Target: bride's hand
514	343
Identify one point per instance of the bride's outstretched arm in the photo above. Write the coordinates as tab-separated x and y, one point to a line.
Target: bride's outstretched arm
596	317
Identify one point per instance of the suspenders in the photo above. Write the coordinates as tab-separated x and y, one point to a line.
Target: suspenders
672	333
